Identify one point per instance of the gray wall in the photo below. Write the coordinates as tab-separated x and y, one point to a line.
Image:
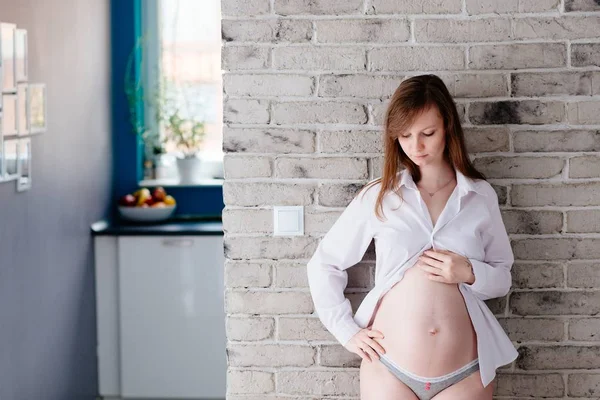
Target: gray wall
47	306
306	89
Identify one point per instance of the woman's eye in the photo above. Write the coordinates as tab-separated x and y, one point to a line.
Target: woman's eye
429	134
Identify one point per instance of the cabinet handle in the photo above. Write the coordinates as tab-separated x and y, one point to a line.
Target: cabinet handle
178	242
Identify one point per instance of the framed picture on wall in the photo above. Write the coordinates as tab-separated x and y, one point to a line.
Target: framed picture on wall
9	115
24	167
11	155
7	50
22	109
36	107
21	55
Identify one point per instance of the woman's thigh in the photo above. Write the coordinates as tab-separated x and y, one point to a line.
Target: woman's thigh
377	383
469	388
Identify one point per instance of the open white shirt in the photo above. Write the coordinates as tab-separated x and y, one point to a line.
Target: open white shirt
469	225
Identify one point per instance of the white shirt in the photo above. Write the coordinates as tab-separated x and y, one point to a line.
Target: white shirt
470	225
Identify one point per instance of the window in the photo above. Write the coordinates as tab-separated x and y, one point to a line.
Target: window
182	53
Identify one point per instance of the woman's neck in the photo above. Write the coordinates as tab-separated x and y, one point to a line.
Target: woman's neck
434	176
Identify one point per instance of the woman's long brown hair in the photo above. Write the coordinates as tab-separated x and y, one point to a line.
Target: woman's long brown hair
414	96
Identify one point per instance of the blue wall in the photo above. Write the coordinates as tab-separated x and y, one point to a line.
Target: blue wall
47	306
126	28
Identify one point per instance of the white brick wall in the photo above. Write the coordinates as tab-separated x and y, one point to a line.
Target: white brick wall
306	85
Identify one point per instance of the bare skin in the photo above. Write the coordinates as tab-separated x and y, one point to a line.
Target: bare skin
432	335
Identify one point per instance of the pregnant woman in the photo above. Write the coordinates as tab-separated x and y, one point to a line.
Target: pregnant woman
423	331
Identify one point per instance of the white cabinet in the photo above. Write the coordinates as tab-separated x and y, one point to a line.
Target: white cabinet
161	318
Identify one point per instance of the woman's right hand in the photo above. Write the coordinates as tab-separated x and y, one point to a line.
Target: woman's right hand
364	344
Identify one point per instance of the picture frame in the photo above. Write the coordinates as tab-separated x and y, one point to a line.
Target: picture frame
21	56
36	108
22	109
9	115
7	53
11	157
24	165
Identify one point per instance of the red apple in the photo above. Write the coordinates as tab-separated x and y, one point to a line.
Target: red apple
159	194
149	201
128	200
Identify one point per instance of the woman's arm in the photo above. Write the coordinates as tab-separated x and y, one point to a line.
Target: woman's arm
492	275
342	247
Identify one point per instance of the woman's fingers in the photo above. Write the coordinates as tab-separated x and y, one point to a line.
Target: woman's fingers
372	354
375	345
430	269
373	333
364	354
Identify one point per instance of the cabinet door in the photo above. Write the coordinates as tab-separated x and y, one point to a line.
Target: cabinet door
172	318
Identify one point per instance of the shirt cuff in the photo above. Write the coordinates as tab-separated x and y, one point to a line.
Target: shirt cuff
346	331
480	272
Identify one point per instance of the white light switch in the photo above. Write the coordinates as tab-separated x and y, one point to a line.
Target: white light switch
288	220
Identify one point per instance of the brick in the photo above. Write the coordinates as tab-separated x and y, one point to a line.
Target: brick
501	192
268	85
412	7
267	140
250	382
376	167
363	86
246	166
462	30
263	302
558	140
486	139
497	306
469	85
565	194
246	111
338	356
266	193
533	112
293	328
272	30
319	221
534	357
322	383
515	56
583	274
519	167
557	28
583	221
551	83
581	5
237	58
584	167
510	6
350	141
586	329
417	58
545	275
338	195
537	329
291	275
555	303
322	112
247	274
372	30
584	385
532	222
270	355
245	8
331	58
322	168
539	385
247	220
250	247
318	7
585	54
556	248
584	112
250	329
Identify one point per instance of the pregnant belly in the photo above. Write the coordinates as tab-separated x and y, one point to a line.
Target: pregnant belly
427	329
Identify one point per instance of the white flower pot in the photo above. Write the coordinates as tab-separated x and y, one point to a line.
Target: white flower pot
190	170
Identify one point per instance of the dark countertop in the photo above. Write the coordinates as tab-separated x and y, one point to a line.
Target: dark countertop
172	227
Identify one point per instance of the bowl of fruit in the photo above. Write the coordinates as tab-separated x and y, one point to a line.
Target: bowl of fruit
147	206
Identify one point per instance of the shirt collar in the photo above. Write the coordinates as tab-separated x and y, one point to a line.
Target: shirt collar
464	183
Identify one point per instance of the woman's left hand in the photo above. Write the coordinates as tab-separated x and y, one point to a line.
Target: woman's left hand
446	267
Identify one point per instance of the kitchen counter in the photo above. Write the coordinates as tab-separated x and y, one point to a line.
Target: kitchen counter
174	227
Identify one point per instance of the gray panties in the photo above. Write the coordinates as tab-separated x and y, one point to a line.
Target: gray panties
426	388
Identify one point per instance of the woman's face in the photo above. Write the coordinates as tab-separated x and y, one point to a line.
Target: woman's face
425	140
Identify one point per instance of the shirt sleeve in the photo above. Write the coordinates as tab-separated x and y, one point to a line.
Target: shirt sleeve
343	246
493	274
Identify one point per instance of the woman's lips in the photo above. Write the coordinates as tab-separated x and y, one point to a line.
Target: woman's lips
420	157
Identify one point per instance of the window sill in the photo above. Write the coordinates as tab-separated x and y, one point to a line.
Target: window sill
175	183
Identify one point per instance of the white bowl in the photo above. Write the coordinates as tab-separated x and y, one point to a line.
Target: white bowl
146	214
